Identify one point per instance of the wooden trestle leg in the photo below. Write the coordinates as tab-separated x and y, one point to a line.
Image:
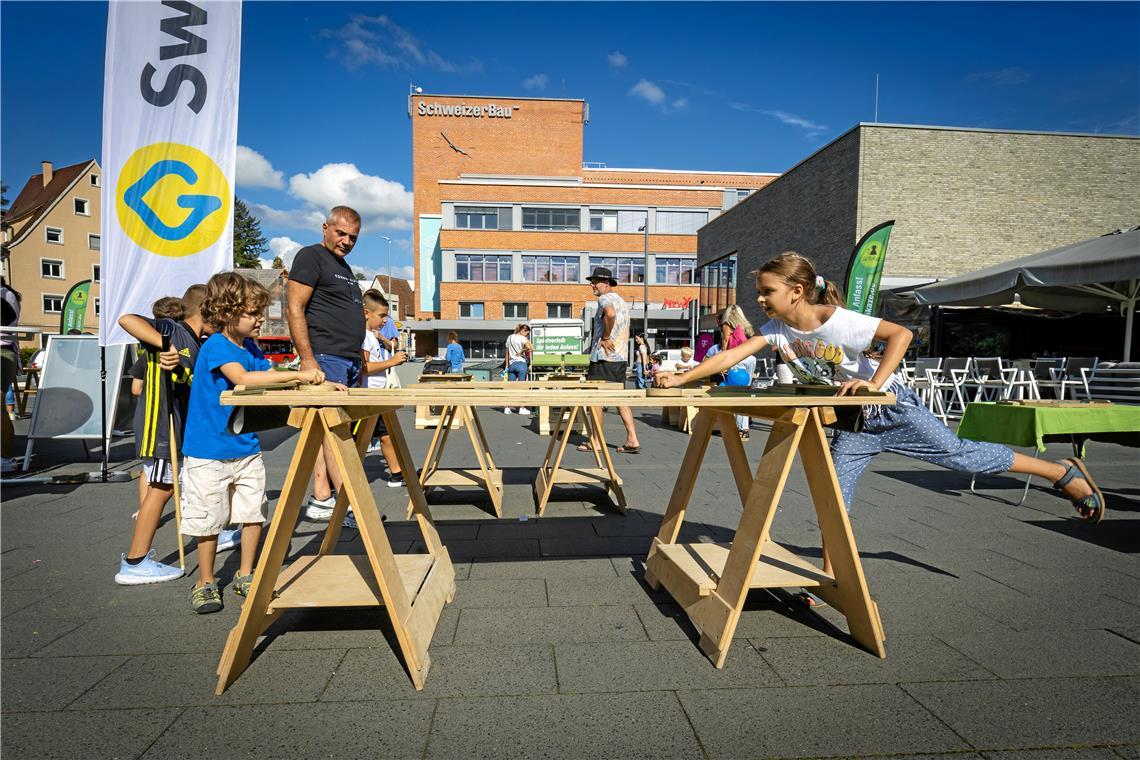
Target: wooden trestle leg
411	588
711	581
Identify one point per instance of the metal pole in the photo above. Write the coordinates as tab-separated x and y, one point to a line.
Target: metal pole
389	266
1130	310
645	281
103	407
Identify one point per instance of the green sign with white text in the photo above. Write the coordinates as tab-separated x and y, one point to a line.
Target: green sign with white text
866	269
75	308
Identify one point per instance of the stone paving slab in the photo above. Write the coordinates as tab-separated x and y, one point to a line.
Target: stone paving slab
363	730
815	722
1005	627
1036	712
98	733
622	725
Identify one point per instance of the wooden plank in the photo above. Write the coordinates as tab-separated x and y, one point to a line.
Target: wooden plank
467	477
342	580
415	492
471	395
437	589
776	568
579	475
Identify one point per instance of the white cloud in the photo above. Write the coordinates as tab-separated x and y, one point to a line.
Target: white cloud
617	59
284	247
298	219
792	119
382	203
381	41
680	103
650	92
254	170
536	82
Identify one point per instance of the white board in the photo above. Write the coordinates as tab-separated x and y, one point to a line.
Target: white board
67	405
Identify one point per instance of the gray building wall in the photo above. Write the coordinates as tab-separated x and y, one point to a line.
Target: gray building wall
962	200
811	209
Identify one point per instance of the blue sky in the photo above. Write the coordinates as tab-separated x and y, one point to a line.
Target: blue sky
735	86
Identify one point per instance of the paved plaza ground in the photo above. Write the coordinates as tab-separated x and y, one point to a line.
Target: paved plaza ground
1011	631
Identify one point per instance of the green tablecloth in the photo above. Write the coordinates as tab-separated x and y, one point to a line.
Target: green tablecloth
1037	425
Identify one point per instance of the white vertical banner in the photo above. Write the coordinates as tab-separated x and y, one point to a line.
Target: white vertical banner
170	103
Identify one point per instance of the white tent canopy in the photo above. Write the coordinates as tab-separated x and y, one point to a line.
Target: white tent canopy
1092	276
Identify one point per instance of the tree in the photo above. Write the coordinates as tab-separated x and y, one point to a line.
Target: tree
360	276
278	263
249	243
3	197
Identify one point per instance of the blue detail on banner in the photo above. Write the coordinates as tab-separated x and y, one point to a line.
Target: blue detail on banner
200	206
431	263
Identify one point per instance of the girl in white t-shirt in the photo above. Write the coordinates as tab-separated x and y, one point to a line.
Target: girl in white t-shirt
824	343
376	360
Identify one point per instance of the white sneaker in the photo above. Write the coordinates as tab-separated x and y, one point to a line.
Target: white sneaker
507	410
228	539
350	520
374	446
7	464
320	510
148	571
523	410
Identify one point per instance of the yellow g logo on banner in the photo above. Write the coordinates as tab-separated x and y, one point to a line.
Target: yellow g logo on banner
172	199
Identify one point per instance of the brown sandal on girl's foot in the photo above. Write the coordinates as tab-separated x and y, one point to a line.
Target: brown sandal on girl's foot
629	449
1091	508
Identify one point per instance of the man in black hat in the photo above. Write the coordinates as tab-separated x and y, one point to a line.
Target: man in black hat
609	353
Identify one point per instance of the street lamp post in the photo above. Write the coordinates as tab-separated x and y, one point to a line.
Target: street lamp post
645	280
385	237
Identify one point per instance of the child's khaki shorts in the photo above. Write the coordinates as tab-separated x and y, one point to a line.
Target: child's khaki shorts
219	491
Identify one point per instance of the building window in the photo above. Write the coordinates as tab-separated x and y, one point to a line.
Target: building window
681	222
96	307
482	218
53	304
92	242
606	220
470	309
515	311
482	349
625	269
479	267
51	268
552	219
675	271
82	206
558	311
550	268
94	180
718	284
94	273
53	235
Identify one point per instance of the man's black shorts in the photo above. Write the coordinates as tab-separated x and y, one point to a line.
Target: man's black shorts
611	372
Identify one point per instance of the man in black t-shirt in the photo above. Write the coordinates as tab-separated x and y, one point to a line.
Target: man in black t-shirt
326	321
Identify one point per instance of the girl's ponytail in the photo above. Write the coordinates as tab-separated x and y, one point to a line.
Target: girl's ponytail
830	295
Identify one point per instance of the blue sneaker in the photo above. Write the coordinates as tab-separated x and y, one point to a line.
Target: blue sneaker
228	539
148	571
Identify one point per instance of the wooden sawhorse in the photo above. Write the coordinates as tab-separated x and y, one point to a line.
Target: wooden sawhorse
487	475
413	588
711	581
552	473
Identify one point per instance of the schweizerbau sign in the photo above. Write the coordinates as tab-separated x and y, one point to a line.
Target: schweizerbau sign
170	103
490	111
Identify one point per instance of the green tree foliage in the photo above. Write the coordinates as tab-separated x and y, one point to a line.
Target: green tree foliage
249	243
278	263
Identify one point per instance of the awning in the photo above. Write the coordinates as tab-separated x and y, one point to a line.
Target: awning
1091	276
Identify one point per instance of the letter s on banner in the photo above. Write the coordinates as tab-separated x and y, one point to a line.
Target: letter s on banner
170	105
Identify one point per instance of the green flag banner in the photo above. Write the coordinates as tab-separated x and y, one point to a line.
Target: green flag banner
75	308
866	269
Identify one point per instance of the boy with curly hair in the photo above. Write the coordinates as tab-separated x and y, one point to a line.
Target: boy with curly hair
225	477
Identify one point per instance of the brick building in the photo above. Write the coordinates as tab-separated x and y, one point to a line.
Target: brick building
963	199
51	242
509	221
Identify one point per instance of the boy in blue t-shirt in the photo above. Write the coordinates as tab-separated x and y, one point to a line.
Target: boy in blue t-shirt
225	477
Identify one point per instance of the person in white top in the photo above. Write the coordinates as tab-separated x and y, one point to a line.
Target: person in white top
10	357
824	343
516	362
687	361
375	362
